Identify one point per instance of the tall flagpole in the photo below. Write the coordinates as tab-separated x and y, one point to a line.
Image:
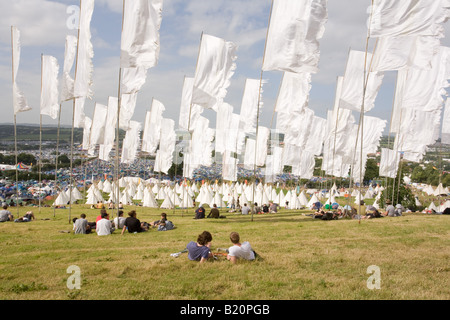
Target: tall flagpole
40	140
15	126
57	155
119	100
258	110
73	122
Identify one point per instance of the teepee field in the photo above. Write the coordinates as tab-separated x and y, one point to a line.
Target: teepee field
301	258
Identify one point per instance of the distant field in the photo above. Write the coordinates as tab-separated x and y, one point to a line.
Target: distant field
303	258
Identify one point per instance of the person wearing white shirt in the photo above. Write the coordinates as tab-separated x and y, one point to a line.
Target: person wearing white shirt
119	221
239	250
104	225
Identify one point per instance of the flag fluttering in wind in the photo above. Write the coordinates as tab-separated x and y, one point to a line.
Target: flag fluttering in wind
358	66
49	87
408	17
69	59
140	45
19	101
215	67
85	67
295	28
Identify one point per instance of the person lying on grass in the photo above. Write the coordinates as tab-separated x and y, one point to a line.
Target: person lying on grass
239	250
200	250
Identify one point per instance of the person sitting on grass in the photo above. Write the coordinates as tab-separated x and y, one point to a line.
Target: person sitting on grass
239	250
81	225
133	224
214	213
200	250
273	208
163	224
5	214
104	226
200	213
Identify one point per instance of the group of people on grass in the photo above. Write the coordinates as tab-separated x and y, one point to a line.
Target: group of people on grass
103	226
329	212
6	215
200	250
200	213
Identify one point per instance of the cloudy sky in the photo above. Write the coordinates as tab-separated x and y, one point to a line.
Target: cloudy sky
44	25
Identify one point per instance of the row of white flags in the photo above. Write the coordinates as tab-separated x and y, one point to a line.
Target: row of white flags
406	44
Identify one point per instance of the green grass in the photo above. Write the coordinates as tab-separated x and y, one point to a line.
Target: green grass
303	258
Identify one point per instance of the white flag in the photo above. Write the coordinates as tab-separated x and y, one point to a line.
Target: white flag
296	26
354	81
389	163
131	143
86	133
69	58
152	127
98	124
133	79
19	101
294	92
140	36
85	67
408	17
395	53
164	157
216	66
186	108
49	87
79	116
229	167
446	120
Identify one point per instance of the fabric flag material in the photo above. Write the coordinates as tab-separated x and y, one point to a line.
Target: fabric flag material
215	67
19	101
201	144
293	36
98	124
85	67
353	83
69	59
140	45
229	167
223	121
294	92
127	107
408	17
86	133
152	128
49	88
79	116
305	167
249	111
131	143
422	89
132	80
164	156
110	130
417	130
445	138
261	146
187	110
389	163
396	53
